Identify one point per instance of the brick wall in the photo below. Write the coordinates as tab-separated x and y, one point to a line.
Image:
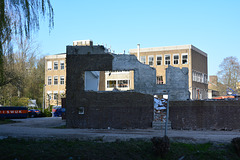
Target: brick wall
111	109
101	109
210	115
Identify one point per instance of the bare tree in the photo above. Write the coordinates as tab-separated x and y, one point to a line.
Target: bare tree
229	74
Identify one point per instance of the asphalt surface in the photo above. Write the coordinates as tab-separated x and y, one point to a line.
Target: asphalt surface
50	128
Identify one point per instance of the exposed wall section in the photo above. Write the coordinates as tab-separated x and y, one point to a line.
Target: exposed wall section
145	78
177	83
144	75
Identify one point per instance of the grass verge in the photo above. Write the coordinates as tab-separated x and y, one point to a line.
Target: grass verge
140	150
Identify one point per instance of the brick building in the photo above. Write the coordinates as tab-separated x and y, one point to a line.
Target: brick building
178	56
55	79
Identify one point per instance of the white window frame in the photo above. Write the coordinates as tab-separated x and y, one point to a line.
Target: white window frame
159	60
194	76
128	82
176	59
184	54
49	95
49	78
62	82
54	80
141	59
49	65
54	65
152	57
55	92
62	62
167	61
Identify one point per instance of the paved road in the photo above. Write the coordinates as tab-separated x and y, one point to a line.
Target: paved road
45	128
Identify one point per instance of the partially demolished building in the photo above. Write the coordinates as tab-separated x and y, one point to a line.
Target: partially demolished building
116	109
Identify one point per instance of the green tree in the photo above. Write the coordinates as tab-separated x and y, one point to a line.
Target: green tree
20	18
16	101
229	74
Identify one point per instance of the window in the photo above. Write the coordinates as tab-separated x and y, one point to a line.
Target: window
199	77
175	59
159	60
150	60
123	83
159	79
61	79
49	65
62	65
49	80
143	59
194	76
55	95
55	80
55	65
62	94
111	84
49	95
185	58
167	59
205	79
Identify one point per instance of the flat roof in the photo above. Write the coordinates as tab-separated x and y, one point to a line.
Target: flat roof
55	56
168	48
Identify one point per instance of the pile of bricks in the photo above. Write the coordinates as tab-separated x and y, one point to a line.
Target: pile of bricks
160	111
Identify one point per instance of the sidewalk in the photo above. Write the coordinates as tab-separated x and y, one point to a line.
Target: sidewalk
44	128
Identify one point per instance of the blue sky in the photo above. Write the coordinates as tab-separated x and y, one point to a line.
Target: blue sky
211	25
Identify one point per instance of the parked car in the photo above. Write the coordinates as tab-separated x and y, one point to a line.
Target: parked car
57	111
34	113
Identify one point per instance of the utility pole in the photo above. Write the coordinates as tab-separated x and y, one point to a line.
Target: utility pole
167	116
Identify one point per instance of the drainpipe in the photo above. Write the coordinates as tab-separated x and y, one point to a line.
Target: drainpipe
138	51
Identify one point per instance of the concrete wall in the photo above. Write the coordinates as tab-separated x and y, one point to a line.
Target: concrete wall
145	78
177	83
209	115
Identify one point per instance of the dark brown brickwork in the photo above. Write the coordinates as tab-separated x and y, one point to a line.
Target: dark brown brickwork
209	115
112	109
101	109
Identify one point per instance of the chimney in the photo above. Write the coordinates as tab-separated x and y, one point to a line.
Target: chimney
138	51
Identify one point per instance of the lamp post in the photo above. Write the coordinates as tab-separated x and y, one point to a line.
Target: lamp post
167	116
